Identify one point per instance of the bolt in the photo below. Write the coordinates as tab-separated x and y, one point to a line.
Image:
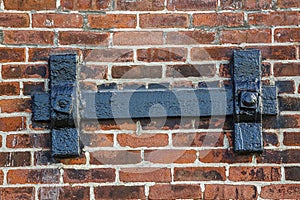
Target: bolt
249	99
62	103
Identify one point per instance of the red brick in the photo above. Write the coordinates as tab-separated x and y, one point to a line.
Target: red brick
137	38
180	71
90	175
167	191
66	192
142	5
97	140
24	193
169	156
12	54
28	141
15	20
116	157
276	52
292	173
15	159
223	156
287	87
254	174
119	192
281	191
30	4
289	103
53	20
145	175
30	88
198	139
43	54
162	55
9	88
287	35
218	19
108	55
190	37
136	72
291	138
24	71
12	124
288	3
276	156
164	21
286	69
199	174
246	4
28	37
144	140
83	38
112	21
246	36
211	53
85	5
33	176
216	191
274	18
81	160
186	5
270	139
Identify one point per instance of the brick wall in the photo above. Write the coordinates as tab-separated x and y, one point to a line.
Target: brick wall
139	43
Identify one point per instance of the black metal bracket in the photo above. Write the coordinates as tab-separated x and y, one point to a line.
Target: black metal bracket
247	101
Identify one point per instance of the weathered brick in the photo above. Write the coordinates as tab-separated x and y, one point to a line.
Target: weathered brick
115	157
246	36
223	156
51	20
288	3
218	19
292	173
108	55
29	37
276	52
291	138
198	139
274	18
12	124
190	37
19	141
216	191
276	156
30	88
281	191
145	175
43	54
119	192
141	71
66	192
83	38
86	5
187	5
12	54
110	21
289	103
142	5
285	121
89	175
254	174
287	35
15	159
211	53
144	140
286	69
162	54
164	21
9	88
199	174
30	4
270	139
287	87
167	191
137	38
81	160
24	71
246	4
169	156
33	176
180	71
15	20
24	193
97	140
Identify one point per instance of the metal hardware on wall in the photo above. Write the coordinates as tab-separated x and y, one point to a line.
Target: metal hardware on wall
247	101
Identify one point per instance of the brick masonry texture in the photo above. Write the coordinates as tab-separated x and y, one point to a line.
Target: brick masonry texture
156	44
